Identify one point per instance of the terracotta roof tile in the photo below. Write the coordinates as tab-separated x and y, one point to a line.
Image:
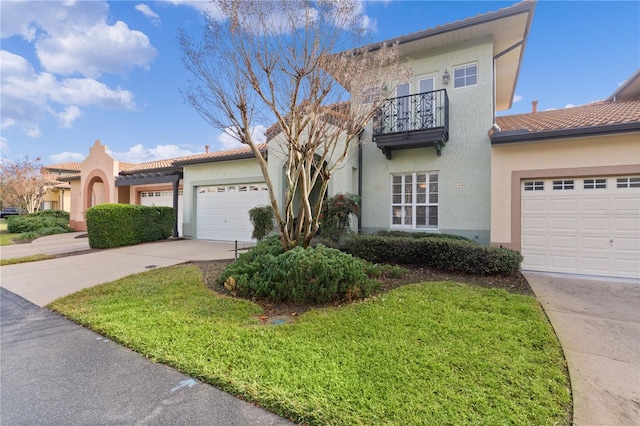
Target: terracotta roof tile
220	154
594	114
71	166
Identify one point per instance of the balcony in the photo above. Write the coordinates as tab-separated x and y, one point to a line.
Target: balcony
414	121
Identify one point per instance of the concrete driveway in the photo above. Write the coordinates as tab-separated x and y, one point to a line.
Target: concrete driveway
45	281
598	324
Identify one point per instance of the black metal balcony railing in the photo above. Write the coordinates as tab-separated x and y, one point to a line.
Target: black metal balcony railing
413	121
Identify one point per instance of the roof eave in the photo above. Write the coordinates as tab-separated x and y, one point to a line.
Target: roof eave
503	138
242	156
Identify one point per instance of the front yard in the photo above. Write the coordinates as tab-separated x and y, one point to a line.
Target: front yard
429	353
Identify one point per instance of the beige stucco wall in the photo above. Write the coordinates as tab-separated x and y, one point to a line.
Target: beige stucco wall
96	186
464	166
579	157
216	173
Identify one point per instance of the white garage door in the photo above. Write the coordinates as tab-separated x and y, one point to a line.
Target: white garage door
582	226
223	210
165	199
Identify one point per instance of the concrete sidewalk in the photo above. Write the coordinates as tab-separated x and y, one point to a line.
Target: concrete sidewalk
51	244
598	324
43	282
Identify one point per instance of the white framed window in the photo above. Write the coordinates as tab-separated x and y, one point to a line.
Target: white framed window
628	182
595	183
559	185
465	75
537	185
414	200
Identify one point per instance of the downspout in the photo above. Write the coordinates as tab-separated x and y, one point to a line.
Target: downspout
175	207
360	181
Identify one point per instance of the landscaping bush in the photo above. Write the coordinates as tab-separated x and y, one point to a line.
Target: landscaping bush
60	214
302	275
38	220
444	254
27	236
405	234
116	225
51	230
335	216
262	219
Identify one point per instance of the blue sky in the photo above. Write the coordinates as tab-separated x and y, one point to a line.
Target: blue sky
74	72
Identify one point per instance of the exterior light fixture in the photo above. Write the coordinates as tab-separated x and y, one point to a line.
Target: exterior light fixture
445	77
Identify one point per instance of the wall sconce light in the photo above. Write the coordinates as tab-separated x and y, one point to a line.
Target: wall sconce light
445	77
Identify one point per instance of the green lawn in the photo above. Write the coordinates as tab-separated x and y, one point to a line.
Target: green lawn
5	239
431	353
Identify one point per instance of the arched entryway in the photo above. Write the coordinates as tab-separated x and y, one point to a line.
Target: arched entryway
96	190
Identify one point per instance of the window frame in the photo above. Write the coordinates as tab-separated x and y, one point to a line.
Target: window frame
432	179
465	76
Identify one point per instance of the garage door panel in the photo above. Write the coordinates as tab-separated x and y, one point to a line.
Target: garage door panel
534	241
534	223
222	212
627	267
594	264
626	223
562	224
594	224
595	205
628	204
559	205
534	205
582	228
563	242
597	243
563	262
626	244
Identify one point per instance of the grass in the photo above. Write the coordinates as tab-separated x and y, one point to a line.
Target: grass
5	239
34	258
436	353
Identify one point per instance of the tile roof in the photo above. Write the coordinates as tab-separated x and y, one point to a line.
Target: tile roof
590	115
217	155
71	166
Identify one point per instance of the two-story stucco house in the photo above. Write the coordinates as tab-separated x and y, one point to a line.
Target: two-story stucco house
436	159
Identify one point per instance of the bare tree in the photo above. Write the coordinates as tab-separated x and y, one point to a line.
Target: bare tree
22	183
293	63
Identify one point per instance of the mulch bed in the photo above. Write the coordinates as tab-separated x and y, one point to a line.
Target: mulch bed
515	283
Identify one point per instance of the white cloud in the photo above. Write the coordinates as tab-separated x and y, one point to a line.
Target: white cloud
68	116
27	97
34	131
569	105
517	98
139	154
102	48
76	37
4	146
67	157
227	140
146	11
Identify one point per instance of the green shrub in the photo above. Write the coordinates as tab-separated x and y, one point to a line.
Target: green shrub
440	253
262	219
52	230
302	275
116	225
405	234
336	215
27	236
60	214
38	220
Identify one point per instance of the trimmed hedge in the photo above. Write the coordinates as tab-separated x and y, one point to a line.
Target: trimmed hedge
405	234
302	275
116	225
444	254
33	222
